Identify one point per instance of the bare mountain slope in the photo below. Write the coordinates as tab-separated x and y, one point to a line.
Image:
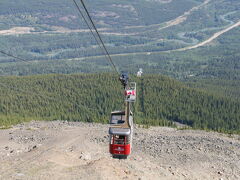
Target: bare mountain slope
62	150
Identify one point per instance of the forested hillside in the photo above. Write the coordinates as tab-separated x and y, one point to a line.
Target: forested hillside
221	87
91	98
191	40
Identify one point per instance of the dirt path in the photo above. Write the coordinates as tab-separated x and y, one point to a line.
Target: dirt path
17	31
62	150
213	37
216	35
183	17
31	30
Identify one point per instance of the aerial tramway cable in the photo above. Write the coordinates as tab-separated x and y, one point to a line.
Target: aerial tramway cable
123	77
85	20
98	34
10	55
103	47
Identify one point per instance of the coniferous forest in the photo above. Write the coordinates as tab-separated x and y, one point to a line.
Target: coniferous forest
92	97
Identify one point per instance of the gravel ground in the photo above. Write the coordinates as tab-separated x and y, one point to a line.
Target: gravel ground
75	150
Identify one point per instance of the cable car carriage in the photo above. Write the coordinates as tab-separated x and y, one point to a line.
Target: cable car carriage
120	134
130	92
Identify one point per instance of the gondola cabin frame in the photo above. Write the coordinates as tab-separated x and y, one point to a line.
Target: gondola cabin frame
120	139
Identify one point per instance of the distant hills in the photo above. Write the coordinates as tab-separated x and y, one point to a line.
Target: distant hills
143	33
91	98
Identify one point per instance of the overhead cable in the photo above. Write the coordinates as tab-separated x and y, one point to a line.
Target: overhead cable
85	8
103	45
85	20
10	55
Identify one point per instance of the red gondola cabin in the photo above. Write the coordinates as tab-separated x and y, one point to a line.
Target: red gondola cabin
120	138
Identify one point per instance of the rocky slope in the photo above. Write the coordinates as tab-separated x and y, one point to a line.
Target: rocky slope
67	150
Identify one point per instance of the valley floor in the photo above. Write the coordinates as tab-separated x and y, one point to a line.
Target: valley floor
67	150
